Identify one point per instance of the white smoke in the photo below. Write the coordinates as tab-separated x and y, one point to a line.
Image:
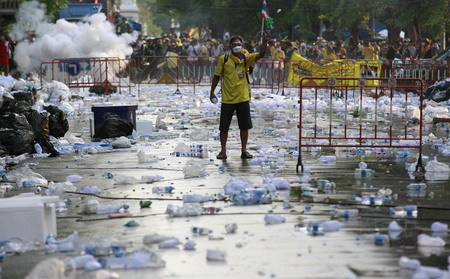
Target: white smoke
93	37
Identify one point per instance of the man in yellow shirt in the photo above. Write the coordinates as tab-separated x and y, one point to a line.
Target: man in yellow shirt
233	68
368	51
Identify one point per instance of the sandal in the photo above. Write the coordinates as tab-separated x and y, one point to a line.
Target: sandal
222	156
246	155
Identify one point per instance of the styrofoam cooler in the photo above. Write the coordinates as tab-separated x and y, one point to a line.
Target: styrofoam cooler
28	217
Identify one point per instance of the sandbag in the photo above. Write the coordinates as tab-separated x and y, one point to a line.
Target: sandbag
113	127
21	139
57	122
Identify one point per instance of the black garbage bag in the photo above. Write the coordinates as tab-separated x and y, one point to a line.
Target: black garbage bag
8	103
113	127
438	92
21	137
39	122
3	150
57	122
47	147
24	101
101	90
440	96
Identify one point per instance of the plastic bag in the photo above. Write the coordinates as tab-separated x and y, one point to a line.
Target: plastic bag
114	126
58	123
20	140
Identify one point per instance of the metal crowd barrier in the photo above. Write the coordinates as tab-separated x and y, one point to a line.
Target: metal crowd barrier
326	118
89	72
199	71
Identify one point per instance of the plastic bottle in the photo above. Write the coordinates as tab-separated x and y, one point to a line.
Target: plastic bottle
169	243
417	186
251	196
231	228
155	238
274	219
394	226
332	226
165	189
200	231
315	228
193	198
426	240
216	255
407	263
136	260
184	211
327	159
38	148
214	100
190	245
110	208
439	227
345	213
380	239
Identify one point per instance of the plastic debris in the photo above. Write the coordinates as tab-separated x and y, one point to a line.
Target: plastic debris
407	263
74	178
200	231
274	219
216	255
166	189
394	226
131	224
426	240
439	227
191	198
155	238
146	158
186	210
169	243
251	196
190	245
140	259
124	179
151	178
91	190
235	185
51	268
194	168
231	228
345	213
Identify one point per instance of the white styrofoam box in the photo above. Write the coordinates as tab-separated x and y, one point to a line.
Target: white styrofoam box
144	127
28	217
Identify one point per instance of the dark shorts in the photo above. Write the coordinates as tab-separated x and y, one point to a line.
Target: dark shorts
242	112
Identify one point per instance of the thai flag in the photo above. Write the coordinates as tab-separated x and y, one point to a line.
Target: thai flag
265	11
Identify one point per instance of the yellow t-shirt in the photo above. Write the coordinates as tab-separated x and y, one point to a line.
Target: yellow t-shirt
368	53
235	87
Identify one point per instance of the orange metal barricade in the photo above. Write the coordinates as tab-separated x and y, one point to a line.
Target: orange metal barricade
326	118
89	72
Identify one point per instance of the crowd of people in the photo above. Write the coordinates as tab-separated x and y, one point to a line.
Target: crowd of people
320	50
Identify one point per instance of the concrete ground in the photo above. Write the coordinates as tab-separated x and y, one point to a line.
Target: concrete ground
256	250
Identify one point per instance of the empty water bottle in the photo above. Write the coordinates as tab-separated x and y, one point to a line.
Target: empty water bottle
274	219
200	231
380	239
216	255
344	213
439	227
166	189
38	148
315	228
417	186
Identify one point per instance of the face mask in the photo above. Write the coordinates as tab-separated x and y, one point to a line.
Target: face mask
237	49
278	48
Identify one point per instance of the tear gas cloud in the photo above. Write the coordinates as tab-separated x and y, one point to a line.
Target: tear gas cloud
92	37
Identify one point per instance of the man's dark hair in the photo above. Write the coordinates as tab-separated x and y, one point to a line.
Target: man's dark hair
236	37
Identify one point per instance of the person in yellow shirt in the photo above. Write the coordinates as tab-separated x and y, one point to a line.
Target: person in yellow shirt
233	68
368	52
329	55
278	64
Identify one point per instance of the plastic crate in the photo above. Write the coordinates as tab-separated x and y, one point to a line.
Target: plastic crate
124	112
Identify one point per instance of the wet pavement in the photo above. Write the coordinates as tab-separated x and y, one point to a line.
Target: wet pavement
256	250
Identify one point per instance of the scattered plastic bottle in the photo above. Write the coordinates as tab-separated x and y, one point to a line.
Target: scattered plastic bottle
165	189
417	186
136	260
315	228
38	148
231	228
185	210
251	196
327	159
380	239
344	213
200	231
439	227
190	245
274	219
111	208
194	198
169	243
426	240
216	255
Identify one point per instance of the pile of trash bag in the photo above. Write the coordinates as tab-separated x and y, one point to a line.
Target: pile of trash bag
22	127
439	92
